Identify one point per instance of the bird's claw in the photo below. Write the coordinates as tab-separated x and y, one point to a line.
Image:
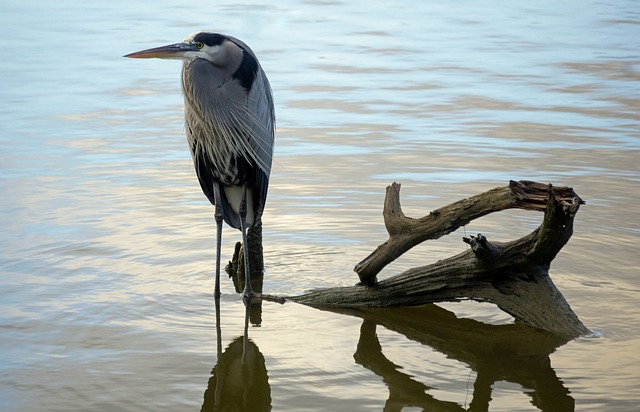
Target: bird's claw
249	295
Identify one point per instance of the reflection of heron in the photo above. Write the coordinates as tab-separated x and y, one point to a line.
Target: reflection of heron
239	381
229	116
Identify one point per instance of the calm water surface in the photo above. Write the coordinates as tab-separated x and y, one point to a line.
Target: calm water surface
107	242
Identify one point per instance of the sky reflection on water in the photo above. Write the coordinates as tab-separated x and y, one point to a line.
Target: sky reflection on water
107	242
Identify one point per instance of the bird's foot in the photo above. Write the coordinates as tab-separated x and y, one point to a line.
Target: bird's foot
249	295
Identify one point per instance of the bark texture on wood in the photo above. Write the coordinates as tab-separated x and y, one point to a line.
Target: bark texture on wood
406	232
235	268
512	275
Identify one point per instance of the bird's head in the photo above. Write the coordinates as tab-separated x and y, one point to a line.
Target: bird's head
204	45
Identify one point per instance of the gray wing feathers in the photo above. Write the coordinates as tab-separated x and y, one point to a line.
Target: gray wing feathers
260	103
228	119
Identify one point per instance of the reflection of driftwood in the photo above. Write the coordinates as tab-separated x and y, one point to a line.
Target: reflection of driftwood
512	275
404	390
513	353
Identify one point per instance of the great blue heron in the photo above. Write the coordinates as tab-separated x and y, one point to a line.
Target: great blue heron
229	121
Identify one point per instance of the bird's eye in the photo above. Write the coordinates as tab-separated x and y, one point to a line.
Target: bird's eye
199	45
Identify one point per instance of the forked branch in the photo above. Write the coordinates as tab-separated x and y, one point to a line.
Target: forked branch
513	275
405	232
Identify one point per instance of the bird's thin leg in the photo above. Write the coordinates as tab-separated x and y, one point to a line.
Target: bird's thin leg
248	289
218	217
245	339
218	327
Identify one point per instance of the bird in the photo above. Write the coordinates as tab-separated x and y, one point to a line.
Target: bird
230	127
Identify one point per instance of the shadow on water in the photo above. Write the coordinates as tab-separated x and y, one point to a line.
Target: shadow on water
513	353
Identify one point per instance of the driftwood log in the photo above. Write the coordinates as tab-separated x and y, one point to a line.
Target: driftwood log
512	275
235	267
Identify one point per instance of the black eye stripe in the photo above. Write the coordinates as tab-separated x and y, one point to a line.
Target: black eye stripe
210	39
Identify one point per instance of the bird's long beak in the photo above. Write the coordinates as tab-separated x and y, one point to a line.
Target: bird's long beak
170	51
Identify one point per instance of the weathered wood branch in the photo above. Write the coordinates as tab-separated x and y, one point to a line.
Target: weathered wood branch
235	267
512	275
405	232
